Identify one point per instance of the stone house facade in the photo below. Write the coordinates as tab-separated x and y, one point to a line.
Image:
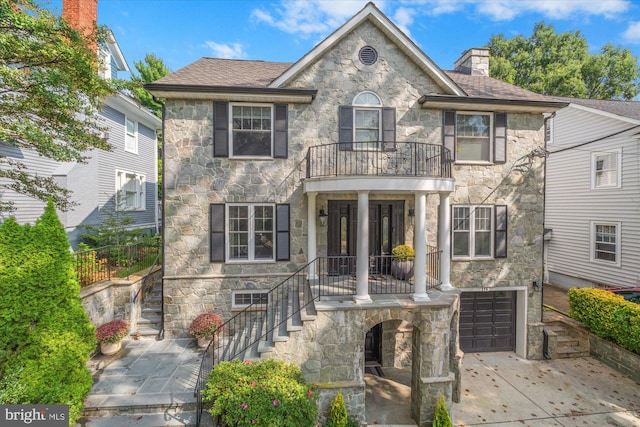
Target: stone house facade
319	168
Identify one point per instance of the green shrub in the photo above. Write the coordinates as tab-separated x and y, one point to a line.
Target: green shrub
607	315
45	334
441	417
269	394
403	253
338	413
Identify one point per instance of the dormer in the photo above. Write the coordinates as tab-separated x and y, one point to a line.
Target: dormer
111	58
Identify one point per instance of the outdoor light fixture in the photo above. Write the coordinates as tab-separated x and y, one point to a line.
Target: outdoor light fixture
323	217
412	214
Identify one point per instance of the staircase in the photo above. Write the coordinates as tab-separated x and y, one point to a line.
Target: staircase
150	321
565	338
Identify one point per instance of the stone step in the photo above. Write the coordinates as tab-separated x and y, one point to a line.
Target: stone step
568	341
571	352
150	318
146	331
129	404
186	418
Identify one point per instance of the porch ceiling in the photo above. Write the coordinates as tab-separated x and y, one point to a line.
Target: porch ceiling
385	184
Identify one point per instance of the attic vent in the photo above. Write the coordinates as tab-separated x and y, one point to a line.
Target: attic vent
368	55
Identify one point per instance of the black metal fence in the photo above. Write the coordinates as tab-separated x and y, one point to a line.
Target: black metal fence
379	159
108	262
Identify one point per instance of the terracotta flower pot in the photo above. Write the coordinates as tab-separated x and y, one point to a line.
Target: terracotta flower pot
110	348
203	342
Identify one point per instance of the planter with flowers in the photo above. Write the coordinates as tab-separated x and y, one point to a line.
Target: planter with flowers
205	326
402	257
110	336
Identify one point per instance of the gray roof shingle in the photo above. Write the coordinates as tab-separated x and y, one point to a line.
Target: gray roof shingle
630	109
488	87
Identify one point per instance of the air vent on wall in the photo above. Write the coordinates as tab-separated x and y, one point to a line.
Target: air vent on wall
368	55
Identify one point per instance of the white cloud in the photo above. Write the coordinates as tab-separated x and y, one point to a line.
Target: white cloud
505	10
403	18
227	51
632	33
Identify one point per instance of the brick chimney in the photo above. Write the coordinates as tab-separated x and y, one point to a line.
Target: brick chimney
474	61
81	15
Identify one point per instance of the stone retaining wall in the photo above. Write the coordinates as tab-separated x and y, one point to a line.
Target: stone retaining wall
623	361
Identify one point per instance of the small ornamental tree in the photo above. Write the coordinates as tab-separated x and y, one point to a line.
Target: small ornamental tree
45	334
338	413
441	417
265	394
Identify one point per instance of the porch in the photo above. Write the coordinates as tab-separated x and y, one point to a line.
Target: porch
374	170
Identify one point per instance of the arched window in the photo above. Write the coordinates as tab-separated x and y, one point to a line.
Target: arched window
366	120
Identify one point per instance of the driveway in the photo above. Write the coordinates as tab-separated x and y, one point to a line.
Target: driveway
502	389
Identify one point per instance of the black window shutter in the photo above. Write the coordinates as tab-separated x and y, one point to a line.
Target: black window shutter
216	230
220	129
282	233
345	135
388	128
500	139
500	239
449	132
280	136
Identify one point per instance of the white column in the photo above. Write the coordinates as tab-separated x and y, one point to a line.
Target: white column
444	242
311	234
420	247
362	258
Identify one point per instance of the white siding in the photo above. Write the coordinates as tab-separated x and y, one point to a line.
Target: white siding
571	203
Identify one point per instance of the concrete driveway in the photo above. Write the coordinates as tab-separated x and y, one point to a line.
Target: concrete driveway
502	389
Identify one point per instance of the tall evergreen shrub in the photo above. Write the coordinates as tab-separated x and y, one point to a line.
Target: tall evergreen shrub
45	334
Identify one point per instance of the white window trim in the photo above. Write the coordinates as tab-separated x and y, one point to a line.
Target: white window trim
472	233
594	159
548	129
247	104
367	107
592	242
251	242
491	142
140	193
126	135
235	306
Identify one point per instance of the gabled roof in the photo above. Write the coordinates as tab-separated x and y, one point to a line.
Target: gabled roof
372	14
116	53
628	109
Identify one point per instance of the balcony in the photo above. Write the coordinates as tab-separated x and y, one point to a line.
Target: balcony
410	159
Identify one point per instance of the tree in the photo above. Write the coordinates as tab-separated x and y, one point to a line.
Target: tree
50	94
152	69
561	65
45	334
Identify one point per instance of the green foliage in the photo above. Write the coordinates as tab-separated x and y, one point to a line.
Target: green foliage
45	334
112	332
114	229
403	253
441	417
559	64
607	315
51	95
338	413
269	394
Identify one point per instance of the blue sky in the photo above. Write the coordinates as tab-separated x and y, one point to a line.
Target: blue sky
182	31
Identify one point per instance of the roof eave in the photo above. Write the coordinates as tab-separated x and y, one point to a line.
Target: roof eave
492	104
232	93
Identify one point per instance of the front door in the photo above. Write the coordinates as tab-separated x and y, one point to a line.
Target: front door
386	230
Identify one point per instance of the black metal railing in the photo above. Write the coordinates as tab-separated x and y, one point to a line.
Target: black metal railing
419	159
258	326
107	262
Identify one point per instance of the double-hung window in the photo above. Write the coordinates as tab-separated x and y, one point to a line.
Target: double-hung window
475	137
606	169
251	130
131	138
479	231
605	242
367	108
130	191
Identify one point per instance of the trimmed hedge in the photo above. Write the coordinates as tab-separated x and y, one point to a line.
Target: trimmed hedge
607	315
45	334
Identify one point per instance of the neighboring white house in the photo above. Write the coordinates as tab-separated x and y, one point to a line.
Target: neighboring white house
593	194
127	176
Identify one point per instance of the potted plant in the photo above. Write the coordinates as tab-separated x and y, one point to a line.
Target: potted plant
110	336
402	257
204	327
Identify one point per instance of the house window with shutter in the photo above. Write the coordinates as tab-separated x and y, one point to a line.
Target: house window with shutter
244	130
366	124
605	169
605	242
249	232
479	231
475	137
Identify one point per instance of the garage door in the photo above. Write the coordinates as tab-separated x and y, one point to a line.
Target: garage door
487	321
